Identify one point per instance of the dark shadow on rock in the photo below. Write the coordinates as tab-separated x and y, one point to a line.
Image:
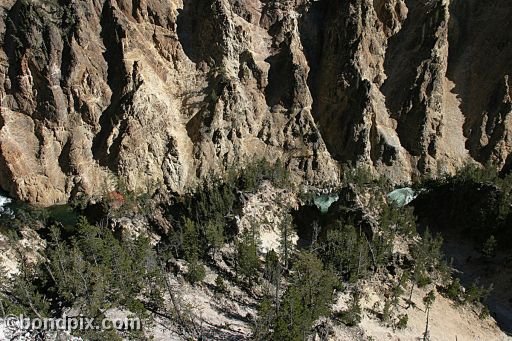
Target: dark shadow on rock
279	90
117	78
480	64
465	215
340	95
407	63
201	26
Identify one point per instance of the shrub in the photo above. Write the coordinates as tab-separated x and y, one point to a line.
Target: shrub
454	290
403	319
484	313
196	271
220	286
477	293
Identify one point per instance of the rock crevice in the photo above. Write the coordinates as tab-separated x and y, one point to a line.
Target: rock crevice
166	92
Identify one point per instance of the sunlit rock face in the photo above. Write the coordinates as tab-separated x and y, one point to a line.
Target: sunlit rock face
161	93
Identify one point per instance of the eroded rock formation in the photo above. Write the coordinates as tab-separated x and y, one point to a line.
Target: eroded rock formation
164	92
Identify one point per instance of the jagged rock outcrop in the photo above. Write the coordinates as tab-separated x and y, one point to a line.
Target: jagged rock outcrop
166	92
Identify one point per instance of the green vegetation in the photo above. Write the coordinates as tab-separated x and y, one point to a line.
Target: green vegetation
254	173
266	318
346	250
308	297
352	316
91	271
428	258
428	301
196	271
489	247
454	291
190	240
285	242
400	220
484	313
92	268
403	319
272	267
362	177
247	260
477	293
475	205
205	218
220	285
354	252
480	199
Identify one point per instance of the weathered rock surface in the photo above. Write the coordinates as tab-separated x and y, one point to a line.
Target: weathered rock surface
164	92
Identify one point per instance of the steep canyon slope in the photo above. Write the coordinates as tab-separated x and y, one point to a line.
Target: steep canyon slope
164	92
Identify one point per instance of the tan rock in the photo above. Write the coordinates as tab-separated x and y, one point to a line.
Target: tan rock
165	92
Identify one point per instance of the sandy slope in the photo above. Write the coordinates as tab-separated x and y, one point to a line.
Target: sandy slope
447	322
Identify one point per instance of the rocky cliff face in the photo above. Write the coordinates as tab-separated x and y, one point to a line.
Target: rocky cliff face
169	91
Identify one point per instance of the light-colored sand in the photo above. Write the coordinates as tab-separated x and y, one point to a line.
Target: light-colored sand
447	322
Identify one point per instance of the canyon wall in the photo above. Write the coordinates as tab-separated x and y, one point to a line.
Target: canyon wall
162	93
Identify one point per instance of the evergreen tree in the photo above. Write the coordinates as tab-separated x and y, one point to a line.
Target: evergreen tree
286	243
215	234
273	273
489	248
272	266
265	319
220	286
196	271
91	270
347	250
428	300
352	316
190	240
454	290
427	256
308	297
248	261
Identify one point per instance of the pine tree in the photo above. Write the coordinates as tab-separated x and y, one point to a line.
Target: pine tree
286	242
489	248
347	250
273	273
190	240
248	261
428	300
215	234
196	271
316	228
220	286
454	290
428	256
352	316
306	299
